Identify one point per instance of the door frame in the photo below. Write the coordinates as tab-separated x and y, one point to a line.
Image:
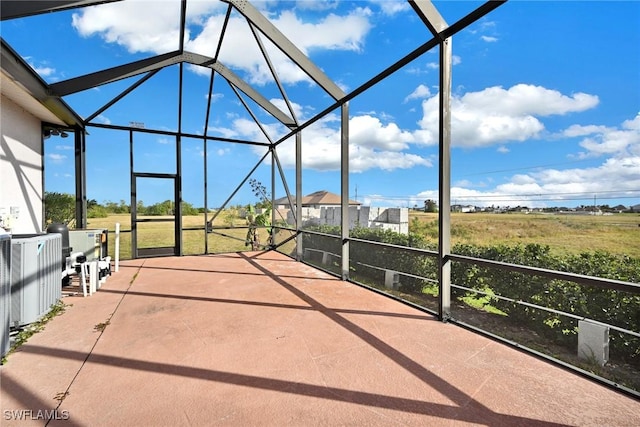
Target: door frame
174	250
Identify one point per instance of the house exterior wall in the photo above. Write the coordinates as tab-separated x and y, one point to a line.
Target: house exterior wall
21	162
395	219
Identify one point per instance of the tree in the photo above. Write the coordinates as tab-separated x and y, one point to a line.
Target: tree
140	208
188	209
59	207
430	206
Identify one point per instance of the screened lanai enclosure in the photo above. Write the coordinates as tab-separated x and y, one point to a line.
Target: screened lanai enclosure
226	112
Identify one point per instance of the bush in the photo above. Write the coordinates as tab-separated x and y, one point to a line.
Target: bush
605	305
97	211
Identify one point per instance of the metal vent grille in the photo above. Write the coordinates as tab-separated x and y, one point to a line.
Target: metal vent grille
36	276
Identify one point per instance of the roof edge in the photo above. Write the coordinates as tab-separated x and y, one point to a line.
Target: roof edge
23	75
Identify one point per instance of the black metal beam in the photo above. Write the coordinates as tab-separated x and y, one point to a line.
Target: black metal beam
20	8
88	81
17	69
472	17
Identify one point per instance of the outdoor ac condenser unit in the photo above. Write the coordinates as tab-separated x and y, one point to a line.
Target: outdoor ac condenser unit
5	292
36	279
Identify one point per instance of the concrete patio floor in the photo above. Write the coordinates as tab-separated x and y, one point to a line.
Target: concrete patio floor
257	339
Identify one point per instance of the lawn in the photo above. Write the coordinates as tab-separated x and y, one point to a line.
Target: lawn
616	234
158	234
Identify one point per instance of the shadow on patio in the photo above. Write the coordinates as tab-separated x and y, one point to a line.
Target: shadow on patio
259	339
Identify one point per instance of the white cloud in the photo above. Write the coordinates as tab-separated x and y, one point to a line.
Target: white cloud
420	92
316	4
64	147
578	130
333	32
298	109
604	140
42	69
392	7
496	115
368	131
120	23
214	96
633	124
489	39
102	119
617	176
373	144
57	158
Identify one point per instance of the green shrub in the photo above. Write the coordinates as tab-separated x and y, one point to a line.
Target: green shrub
97	211
614	307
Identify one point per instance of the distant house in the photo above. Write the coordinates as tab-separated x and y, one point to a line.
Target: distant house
316	200
463	208
324	208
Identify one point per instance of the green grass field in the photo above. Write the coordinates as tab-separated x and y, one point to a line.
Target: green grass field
160	234
616	234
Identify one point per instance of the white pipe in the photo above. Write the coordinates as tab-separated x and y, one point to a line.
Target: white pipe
117	250
93	277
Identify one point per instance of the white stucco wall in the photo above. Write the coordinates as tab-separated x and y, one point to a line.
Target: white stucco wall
20	168
395	219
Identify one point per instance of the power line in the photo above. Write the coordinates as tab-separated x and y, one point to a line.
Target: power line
602	195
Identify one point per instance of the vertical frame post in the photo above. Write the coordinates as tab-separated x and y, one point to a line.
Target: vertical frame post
272	232
344	189
299	246
178	184
206	200
444	187
178	197
134	210
81	178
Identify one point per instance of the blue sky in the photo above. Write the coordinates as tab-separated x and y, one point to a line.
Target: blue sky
545	109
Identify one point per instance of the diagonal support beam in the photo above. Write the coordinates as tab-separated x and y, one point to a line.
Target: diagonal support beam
429	16
288	48
110	75
236	81
20	8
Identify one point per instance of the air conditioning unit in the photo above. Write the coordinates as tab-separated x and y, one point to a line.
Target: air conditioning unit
5	292
92	243
36	279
